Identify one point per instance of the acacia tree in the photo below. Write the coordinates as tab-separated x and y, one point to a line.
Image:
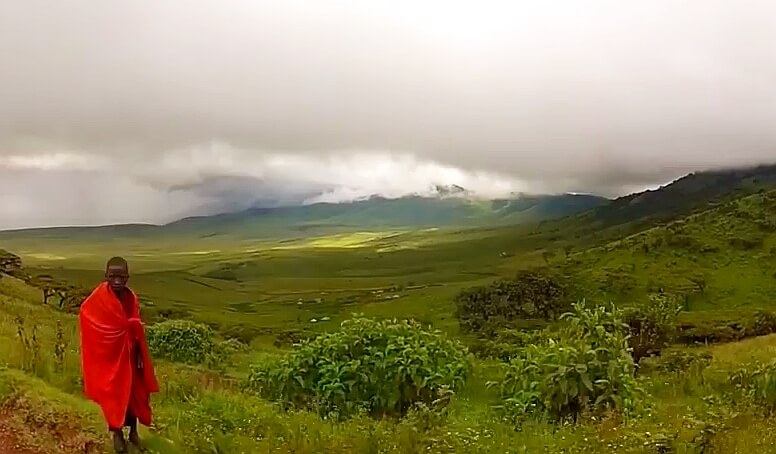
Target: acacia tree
47	284
71	297
531	295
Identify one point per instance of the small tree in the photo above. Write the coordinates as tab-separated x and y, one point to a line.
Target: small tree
651	326
700	282
531	295
71	297
47	284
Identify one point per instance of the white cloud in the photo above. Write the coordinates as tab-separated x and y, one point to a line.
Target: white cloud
595	96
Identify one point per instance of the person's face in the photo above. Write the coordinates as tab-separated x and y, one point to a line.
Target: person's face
117	277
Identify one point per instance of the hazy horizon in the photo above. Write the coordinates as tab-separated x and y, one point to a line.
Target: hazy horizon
147	111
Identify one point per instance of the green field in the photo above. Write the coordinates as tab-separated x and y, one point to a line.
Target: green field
261	283
717	262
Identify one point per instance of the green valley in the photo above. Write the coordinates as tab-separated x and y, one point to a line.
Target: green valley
285	299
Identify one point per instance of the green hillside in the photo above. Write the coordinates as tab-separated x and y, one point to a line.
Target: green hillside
705	399
721	260
327	218
692	193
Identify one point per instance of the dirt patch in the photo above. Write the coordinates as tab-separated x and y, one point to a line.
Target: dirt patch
10	443
21	434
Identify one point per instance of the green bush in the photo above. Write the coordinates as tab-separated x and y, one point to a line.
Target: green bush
508	343
183	341
759	323
679	361
375	367
588	369
758	384
531	295
763	323
651	326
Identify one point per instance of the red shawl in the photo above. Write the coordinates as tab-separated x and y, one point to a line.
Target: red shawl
112	377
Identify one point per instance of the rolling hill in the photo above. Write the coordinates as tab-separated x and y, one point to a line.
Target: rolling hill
374	213
721	259
690	194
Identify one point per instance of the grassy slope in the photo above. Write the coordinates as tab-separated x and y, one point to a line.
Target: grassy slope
692	193
722	259
730	247
194	415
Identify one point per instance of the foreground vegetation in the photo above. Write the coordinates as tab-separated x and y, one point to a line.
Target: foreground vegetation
466	341
697	399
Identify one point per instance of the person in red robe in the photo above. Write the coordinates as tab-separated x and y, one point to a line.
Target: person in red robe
117	368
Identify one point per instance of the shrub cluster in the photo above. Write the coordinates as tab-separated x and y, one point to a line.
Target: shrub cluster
382	368
651	326
184	341
758	384
531	295
508	343
760	323
678	361
588	369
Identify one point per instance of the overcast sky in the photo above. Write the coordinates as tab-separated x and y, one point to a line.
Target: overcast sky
146	110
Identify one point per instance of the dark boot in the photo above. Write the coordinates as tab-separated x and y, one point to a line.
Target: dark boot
134	437
119	444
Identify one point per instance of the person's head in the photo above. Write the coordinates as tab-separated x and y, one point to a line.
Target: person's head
117	274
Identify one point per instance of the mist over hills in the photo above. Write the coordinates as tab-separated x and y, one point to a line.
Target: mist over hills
455	206
451	207
690	194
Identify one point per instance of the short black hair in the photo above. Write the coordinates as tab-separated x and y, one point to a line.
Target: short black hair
117	261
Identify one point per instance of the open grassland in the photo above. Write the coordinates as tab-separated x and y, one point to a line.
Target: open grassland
202	410
281	285
714	396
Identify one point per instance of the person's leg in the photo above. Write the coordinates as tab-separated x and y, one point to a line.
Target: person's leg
119	444
131	422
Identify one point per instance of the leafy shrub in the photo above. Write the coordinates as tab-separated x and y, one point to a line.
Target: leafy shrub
183	341
758	383
530	295
589	369
651	326
230	347
720	331
375	367
507	344
712	333
763	323
677	361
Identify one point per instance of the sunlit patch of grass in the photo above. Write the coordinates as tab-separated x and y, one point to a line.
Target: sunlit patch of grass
350	240
44	256
762	349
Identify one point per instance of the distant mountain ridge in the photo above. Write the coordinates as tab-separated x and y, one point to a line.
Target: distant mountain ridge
407	212
452	207
692	193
